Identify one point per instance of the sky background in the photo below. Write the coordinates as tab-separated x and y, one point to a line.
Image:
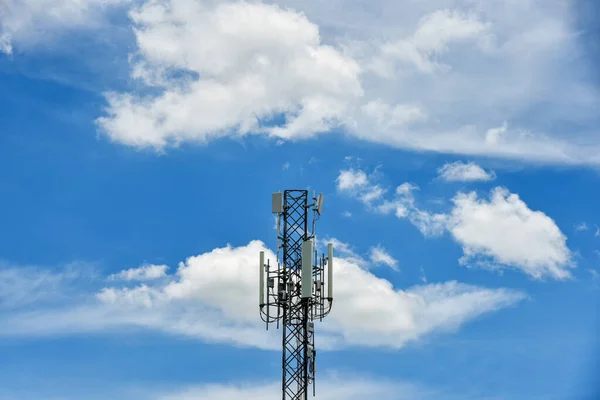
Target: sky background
458	138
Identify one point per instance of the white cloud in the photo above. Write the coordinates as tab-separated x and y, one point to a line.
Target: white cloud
357	183
332	386
347	214
213	296
379	255
387	117
502	232
434	33
412	81
346	251
464	172
31	21
454	78
581	227
351	180
144	273
249	62
403	206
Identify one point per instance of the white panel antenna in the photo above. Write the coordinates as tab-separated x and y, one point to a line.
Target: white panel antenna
261	288
307	266
320	203
277	203
330	270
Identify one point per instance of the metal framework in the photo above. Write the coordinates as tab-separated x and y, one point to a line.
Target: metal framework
286	302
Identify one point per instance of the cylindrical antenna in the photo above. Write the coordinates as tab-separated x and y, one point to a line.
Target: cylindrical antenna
330	270
261	287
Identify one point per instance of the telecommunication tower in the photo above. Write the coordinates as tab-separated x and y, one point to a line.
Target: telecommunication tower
294	293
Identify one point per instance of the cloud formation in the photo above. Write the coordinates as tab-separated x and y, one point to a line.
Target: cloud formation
30	21
379	255
414	82
332	387
290	70
242	63
502	232
146	272
213	297
464	172
359	184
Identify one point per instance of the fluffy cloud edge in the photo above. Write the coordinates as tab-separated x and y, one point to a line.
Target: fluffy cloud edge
535	245
211	297
464	172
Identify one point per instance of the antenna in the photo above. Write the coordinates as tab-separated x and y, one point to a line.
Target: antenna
319	207
261	287
330	271
295	290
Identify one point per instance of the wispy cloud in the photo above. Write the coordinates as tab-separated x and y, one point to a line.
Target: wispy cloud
379	255
32	21
358	184
581	227
333	386
24	286
144	273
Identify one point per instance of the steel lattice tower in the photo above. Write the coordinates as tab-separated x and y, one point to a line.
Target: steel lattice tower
295	289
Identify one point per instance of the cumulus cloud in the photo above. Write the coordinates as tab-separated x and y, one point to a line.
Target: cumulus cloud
505	231
352	180
243	64
213	296
464	172
144	273
408	79
405	79
502	232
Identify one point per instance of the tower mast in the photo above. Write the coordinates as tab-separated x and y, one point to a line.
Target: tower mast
295	288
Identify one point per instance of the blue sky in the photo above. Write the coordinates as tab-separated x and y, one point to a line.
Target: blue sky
459	139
